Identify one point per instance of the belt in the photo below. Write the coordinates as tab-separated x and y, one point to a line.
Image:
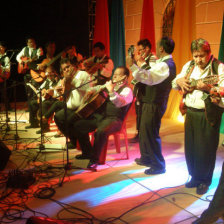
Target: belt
195	109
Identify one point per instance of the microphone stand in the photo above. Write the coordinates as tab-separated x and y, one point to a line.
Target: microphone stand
68	165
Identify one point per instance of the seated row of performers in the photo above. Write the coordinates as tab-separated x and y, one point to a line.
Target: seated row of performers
115	99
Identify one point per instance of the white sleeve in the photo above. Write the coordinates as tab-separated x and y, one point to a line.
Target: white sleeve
21	54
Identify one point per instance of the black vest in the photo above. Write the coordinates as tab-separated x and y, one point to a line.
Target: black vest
116	112
26	53
159	94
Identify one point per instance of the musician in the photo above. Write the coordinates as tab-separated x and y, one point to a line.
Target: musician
4	73
155	95
202	116
74	92
29	54
144	51
47	91
100	65
107	119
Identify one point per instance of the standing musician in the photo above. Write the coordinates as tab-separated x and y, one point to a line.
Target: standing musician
74	92
157	87
100	65
4	74
28	54
203	117
47	89
105	120
144	51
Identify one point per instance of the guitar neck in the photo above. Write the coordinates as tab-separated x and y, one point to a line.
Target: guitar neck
54	59
213	79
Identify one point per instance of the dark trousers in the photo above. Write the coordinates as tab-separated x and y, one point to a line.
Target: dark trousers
150	142
201	143
64	121
104	128
138	110
56	106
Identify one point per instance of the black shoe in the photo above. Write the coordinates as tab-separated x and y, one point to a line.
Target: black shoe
92	165
31	126
141	163
81	156
202	189
152	171
191	184
134	139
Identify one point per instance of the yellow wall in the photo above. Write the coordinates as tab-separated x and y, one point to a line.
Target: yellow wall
209	15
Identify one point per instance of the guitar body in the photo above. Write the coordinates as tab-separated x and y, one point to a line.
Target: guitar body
23	66
91	105
3	75
39	75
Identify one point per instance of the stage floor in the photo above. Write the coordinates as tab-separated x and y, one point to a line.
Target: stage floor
119	192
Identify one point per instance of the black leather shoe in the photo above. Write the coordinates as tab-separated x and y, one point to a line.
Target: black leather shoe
191	184
202	189
134	139
81	156
141	163
92	165
207	217
152	171
71	145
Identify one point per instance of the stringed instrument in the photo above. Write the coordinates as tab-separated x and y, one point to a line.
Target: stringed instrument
211	80
23	66
4	75
91	67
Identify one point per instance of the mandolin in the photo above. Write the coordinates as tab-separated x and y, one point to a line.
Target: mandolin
210	80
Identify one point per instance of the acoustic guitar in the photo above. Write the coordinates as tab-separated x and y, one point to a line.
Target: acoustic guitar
23	67
3	74
91	67
212	80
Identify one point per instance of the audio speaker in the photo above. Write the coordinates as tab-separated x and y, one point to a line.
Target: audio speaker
4	155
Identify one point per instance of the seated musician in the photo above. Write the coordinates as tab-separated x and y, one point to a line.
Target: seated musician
47	99
100	65
74	92
4	73
28	54
105	120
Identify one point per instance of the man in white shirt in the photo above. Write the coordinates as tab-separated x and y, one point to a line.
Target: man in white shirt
144	51
76	83
203	118
157	86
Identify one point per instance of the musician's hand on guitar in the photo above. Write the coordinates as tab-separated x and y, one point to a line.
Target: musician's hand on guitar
140	60
184	84
110	86
203	87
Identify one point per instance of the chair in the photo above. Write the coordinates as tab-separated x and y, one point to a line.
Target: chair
116	136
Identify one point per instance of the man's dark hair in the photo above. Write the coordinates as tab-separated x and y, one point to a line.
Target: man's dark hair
200	44
168	44
126	70
30	37
72	61
48	43
100	45
145	43
3	44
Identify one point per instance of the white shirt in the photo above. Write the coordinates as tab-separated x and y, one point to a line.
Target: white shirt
6	61
22	53
155	75
75	97
194	99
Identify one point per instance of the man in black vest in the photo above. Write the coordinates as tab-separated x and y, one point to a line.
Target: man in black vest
107	119
157	85
144	51
201	126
